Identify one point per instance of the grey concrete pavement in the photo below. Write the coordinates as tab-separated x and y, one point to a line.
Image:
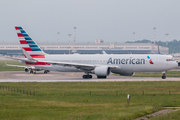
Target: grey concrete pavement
21	76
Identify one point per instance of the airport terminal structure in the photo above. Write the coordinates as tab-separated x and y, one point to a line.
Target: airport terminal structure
14	49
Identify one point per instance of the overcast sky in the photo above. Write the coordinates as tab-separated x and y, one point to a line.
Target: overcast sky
109	20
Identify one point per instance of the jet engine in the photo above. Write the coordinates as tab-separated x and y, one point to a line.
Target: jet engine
102	71
26	69
121	72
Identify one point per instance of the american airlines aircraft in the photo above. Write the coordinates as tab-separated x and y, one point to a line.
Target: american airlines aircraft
99	64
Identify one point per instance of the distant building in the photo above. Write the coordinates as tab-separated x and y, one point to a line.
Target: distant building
99	41
87	48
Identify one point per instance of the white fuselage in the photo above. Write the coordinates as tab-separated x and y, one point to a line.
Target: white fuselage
123	62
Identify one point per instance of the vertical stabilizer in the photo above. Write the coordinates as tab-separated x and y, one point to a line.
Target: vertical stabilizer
28	44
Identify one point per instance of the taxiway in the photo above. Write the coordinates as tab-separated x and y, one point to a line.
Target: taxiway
21	76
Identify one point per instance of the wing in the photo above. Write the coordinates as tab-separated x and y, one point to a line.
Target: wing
85	67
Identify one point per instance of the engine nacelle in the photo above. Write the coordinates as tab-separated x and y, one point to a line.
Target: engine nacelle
123	73
26	69
127	74
102	71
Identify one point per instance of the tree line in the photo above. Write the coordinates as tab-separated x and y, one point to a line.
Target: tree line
174	45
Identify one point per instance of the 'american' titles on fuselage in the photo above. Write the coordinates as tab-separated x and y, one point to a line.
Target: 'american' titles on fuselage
126	61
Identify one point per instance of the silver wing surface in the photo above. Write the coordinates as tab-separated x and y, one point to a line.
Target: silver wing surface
85	67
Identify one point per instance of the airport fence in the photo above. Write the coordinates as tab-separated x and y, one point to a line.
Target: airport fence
17	90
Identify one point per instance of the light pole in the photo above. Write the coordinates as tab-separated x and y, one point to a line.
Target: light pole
133	36
69	42
154	38
75	39
58	36
166	43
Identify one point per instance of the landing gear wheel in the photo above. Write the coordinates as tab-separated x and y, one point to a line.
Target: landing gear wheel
90	76
45	72
87	76
101	77
31	72
84	76
163	77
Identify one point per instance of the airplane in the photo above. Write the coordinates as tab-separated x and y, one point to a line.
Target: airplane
99	64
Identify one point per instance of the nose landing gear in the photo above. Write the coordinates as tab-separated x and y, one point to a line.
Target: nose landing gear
164	75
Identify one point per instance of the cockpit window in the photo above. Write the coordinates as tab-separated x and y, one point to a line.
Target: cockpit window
169	60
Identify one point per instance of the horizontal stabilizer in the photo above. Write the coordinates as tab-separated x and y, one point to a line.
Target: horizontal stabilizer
22	59
15	65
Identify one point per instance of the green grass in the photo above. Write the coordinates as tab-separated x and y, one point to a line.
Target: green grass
168	74
169	116
159	74
3	67
87	100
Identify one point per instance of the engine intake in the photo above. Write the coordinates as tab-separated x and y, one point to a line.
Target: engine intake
26	69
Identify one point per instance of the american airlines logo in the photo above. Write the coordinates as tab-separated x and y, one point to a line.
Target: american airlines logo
126	61
150	61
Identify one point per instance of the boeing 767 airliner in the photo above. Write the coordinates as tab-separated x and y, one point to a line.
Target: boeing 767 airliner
101	65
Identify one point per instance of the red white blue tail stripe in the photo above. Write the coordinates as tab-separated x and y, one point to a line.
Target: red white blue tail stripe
28	44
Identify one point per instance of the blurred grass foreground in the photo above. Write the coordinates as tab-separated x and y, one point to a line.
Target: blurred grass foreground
86	100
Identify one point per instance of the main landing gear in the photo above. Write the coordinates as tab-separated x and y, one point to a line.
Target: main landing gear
46	71
90	76
164	75
31	72
87	76
34	71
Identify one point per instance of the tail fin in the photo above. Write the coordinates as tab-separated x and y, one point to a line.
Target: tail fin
28	44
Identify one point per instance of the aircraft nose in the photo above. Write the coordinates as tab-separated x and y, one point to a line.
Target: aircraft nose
175	64
178	63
